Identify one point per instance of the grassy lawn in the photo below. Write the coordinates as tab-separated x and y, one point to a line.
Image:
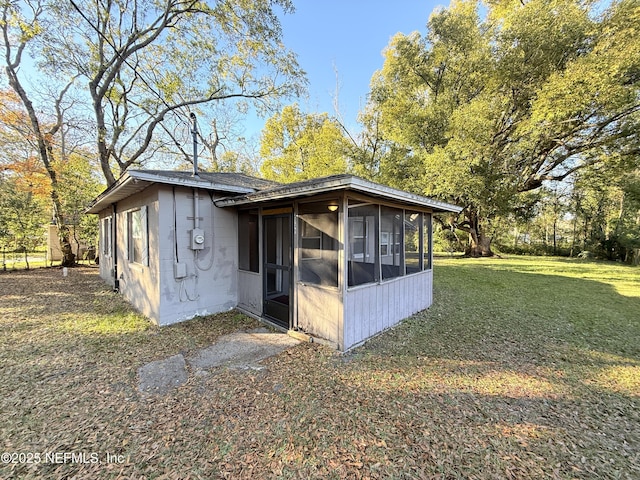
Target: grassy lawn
523	368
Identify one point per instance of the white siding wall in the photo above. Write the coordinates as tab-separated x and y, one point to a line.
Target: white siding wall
211	283
372	308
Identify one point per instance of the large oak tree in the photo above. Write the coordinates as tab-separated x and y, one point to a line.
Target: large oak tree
298	146
481	109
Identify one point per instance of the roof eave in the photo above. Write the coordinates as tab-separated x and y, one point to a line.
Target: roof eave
110	195
344	183
135	181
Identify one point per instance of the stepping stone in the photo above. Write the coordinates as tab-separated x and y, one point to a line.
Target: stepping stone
162	375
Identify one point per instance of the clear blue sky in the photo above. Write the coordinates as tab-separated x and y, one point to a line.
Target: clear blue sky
348	35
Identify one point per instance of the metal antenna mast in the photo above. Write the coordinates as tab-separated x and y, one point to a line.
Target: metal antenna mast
194	132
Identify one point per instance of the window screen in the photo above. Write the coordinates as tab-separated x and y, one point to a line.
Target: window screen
426	264
362	232
248	243
318	243
412	241
391	242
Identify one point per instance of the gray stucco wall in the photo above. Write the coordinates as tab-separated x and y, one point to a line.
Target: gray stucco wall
210	284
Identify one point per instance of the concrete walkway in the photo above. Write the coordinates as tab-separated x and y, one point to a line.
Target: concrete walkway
242	350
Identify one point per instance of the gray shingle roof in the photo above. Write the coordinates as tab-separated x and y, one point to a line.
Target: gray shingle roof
134	181
245	189
334	183
229	179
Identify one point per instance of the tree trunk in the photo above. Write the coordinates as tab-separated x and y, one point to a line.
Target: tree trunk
44	142
479	241
68	257
479	245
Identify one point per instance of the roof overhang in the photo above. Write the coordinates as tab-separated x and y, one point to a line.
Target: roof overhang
335	184
134	181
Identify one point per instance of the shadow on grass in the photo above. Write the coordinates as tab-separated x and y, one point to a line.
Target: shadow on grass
508	375
519	348
482	313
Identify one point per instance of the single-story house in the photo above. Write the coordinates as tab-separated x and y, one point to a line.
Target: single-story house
337	258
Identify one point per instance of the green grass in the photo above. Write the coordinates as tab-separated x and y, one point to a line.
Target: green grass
522	368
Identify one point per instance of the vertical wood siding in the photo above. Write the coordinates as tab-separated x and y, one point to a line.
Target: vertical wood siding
373	308
319	312
250	291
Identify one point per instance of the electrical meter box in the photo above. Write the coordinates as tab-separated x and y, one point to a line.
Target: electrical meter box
179	270
197	239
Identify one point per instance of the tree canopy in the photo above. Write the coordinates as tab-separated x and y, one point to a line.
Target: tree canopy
490	106
141	64
126	73
297	146
483	109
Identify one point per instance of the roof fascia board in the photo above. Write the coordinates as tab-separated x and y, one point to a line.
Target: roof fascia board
400	195
103	200
266	195
346	183
111	194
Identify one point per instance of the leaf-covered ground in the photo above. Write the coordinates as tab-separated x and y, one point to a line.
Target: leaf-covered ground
522	368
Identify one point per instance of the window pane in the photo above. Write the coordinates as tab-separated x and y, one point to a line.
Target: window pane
427	242
318	243
412	229
362	234
106	236
390	242
248	253
136	223
137	236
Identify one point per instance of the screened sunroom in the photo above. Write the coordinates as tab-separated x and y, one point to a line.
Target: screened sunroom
337	258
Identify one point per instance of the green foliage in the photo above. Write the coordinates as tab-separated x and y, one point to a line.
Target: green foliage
21	218
483	109
143	67
608	211
297	146
79	184
236	162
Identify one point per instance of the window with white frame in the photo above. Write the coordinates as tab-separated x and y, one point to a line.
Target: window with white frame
137	236
106	236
